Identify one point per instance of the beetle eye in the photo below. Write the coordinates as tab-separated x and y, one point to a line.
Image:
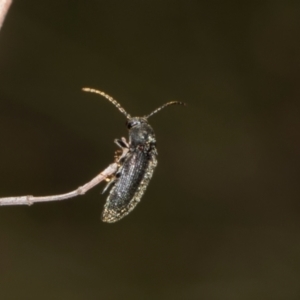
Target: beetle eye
131	124
128	124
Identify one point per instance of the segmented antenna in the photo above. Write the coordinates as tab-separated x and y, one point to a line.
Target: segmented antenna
163	106
110	99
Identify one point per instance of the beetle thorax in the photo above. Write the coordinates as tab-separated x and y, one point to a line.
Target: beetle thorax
140	132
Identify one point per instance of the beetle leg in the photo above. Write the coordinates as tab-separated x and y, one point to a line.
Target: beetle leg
110	181
121	143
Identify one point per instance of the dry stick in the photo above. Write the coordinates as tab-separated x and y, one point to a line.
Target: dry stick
4	6
28	200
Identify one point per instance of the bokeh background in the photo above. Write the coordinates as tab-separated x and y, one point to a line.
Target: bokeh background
221	217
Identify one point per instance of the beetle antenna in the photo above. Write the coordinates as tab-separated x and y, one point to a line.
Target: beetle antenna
110	99
163	106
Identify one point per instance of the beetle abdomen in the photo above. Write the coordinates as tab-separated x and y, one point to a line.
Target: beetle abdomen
135	174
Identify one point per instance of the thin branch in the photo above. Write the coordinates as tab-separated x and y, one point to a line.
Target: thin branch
28	200
4	6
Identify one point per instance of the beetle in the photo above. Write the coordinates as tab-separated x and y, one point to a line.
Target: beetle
136	167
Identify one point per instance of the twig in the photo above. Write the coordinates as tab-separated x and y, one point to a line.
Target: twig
4	6
28	200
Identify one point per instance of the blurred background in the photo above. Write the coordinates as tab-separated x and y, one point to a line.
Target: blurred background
221	216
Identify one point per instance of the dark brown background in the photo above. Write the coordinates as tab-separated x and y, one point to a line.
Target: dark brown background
221	217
